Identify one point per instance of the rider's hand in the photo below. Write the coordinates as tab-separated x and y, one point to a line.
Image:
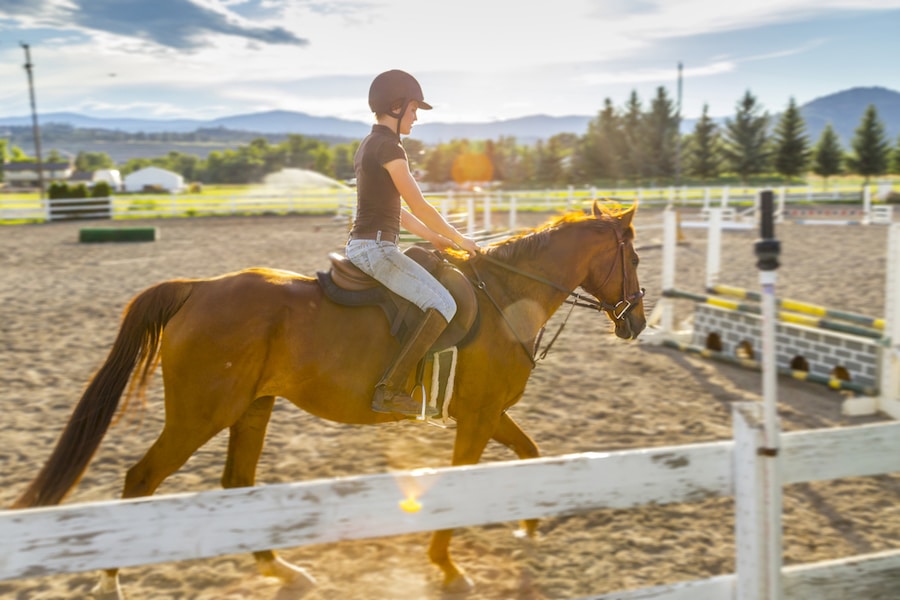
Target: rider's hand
469	246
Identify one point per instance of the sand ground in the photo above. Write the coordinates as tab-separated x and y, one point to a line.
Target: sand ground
60	303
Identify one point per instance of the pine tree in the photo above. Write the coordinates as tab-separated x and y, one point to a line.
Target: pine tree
828	154
703	150
745	146
870	146
791	143
661	136
598	153
895	167
633	151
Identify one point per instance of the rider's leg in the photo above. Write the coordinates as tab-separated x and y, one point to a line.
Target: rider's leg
390	393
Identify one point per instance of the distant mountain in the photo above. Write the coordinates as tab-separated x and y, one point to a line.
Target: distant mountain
843	110
524	129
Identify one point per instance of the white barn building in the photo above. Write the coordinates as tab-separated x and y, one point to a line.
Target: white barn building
153	177
110	176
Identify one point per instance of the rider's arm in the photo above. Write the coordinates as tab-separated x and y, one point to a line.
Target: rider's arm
423	212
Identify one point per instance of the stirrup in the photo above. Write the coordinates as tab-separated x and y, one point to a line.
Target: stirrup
388	401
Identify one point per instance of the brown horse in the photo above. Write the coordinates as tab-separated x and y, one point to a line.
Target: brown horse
231	344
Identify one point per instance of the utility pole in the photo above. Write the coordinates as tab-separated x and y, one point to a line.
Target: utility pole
678	131
34	120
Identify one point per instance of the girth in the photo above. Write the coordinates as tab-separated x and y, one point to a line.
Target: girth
347	285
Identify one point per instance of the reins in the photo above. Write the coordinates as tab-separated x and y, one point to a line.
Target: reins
618	310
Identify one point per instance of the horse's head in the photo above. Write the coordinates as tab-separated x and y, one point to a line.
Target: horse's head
612	273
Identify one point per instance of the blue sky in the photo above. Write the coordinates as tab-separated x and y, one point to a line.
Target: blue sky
478	60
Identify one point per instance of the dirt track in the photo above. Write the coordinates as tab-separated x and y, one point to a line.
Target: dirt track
61	303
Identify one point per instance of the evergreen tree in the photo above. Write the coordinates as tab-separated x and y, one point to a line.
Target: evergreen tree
870	146
549	167
745	146
895	167
660	137
597	154
703	150
791	144
827	155
632	150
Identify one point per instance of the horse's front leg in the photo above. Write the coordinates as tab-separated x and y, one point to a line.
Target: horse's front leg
513	437
473	431
245	444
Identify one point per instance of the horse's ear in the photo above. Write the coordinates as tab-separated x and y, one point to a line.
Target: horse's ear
627	216
595	209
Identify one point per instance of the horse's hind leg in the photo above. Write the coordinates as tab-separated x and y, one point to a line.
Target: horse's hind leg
245	444
177	442
513	437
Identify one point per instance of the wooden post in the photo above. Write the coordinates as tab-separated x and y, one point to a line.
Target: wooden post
713	247
757	534
889	386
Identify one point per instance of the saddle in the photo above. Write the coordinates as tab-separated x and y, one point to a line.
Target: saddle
347	285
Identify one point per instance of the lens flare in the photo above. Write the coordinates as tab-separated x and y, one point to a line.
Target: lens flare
410	505
472	166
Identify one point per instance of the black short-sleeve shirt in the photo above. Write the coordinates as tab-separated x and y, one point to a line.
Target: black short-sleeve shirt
378	200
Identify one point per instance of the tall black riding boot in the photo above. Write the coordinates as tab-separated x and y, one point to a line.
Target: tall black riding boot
390	393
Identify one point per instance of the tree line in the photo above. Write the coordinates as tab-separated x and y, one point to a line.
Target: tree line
628	145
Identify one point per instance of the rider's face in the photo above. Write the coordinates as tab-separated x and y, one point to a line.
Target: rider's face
409	117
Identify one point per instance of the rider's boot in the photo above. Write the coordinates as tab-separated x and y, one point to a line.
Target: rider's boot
390	393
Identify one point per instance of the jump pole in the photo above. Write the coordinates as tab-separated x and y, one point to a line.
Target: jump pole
758	496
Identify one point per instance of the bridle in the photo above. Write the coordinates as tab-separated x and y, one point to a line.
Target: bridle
619	310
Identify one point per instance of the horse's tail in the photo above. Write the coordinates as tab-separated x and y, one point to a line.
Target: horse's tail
136	347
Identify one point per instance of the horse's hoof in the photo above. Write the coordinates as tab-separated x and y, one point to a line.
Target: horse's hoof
458	584
529	535
293	577
108	588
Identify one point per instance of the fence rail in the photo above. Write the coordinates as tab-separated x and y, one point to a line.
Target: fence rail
42	541
16	210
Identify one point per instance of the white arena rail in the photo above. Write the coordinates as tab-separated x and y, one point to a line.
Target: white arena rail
82	537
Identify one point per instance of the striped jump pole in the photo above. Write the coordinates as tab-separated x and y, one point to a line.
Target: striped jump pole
800	307
783	316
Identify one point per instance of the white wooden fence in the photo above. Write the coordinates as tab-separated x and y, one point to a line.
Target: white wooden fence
125	206
75	538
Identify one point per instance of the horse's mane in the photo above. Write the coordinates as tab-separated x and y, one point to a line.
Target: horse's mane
530	243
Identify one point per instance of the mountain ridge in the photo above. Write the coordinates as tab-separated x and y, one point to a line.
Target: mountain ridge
843	109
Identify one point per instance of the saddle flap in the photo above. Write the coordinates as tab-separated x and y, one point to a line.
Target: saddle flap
347	275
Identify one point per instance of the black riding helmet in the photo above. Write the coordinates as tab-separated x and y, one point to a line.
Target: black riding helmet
392	87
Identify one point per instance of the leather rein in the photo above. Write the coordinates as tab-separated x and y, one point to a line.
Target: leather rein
619	310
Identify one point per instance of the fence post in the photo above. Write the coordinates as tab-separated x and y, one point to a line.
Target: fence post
779	214
487	212
757	558
867	205
470	210
664	309
758	489
512	212
889	384
713	247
